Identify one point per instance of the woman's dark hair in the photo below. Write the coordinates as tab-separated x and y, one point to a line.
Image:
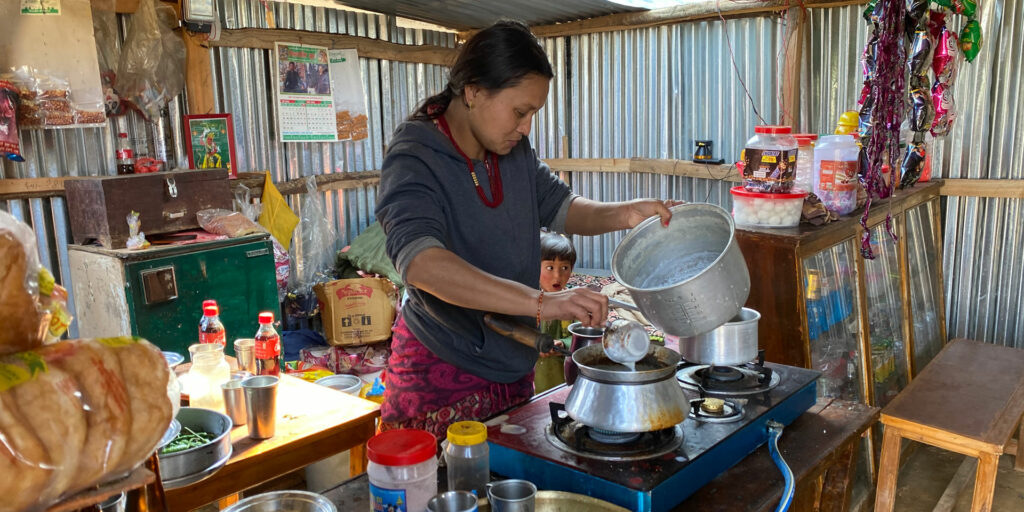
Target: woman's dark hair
495	58
556	246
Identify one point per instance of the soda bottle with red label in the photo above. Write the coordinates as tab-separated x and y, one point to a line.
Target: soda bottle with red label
211	330
268	347
125	156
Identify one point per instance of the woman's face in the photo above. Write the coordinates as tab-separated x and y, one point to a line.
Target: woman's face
554	274
500	119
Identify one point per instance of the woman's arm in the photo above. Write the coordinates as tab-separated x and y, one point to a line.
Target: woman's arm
448	277
588	217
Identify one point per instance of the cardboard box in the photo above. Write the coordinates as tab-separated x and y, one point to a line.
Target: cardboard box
357	311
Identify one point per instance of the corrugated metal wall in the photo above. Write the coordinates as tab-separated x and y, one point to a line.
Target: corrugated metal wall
652	92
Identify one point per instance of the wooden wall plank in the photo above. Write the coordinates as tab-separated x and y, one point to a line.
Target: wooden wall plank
1013	189
370	48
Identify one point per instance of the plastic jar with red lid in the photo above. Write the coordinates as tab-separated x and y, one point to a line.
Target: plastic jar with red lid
402	469
769	160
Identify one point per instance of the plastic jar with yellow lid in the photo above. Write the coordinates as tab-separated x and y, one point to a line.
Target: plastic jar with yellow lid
468	457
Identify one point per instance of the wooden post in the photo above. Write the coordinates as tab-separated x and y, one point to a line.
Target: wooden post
198	75
792	70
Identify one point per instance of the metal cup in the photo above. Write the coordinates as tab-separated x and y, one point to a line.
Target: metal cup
581	337
234	401
261	405
511	496
245	354
453	501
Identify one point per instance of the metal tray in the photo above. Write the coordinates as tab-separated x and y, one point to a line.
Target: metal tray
558	501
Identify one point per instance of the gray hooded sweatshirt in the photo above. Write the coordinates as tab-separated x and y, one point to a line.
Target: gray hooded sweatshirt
427	199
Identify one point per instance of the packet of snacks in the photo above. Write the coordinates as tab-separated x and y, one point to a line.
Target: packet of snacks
9	146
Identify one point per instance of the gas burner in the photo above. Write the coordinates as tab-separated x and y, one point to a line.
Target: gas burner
748	379
715	410
578	439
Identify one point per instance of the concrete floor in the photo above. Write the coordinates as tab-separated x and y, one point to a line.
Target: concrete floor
926	474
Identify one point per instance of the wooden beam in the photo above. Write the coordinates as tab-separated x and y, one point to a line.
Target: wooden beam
690	169
198	75
119	6
588	164
26	188
796	30
1013	189
670	15
336	181
370	48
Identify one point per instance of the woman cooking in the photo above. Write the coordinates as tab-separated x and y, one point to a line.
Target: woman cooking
462	197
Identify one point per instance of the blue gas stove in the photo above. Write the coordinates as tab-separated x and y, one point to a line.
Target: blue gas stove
653	471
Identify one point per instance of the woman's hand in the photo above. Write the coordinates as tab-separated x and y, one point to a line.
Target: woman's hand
590	307
639	209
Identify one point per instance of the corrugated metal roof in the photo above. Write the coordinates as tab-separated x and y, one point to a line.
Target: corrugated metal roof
468	14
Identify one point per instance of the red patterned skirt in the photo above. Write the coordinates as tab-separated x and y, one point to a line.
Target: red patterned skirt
422	391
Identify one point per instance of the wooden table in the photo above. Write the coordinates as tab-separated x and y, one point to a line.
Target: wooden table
821	449
968	400
313	422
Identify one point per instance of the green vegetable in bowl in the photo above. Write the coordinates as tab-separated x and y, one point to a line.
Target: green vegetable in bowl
185	440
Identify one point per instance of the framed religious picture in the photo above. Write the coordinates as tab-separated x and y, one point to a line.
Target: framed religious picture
210	142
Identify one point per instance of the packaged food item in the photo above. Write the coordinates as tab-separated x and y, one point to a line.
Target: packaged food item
945	109
22	318
402	469
769	160
226	222
970	40
836	164
965	7
78	413
9	144
946	61
922	111
920	59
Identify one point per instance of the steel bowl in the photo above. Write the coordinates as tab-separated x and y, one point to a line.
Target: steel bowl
688	277
182	468
284	501
732	343
349	384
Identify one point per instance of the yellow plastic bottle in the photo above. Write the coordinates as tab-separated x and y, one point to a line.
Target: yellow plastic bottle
848	123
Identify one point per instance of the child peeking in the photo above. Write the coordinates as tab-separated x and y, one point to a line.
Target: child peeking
557	259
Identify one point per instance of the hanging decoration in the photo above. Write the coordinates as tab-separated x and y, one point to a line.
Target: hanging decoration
908	39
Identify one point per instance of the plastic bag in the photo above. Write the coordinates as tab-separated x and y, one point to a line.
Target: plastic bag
225	222
316	264
23	320
151	70
243	203
136	238
76	414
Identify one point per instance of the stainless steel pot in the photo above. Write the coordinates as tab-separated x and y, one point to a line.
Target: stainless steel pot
732	343
686	278
609	396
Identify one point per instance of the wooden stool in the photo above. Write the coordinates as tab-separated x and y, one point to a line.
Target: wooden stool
967	400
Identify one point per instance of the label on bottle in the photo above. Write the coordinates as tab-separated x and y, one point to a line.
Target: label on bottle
837	176
387	500
769	170
267	348
125	154
213	337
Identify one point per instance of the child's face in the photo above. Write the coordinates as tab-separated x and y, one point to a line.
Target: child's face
554	274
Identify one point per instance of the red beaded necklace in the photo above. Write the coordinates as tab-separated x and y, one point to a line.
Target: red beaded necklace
491	164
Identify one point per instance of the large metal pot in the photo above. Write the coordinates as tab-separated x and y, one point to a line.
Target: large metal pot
688	277
609	396
732	343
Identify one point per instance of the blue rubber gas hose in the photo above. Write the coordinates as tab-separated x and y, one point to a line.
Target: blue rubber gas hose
774	432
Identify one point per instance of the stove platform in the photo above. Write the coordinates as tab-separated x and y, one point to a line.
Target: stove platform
659	483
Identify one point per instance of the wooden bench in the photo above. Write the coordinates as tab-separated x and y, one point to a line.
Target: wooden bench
968	400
